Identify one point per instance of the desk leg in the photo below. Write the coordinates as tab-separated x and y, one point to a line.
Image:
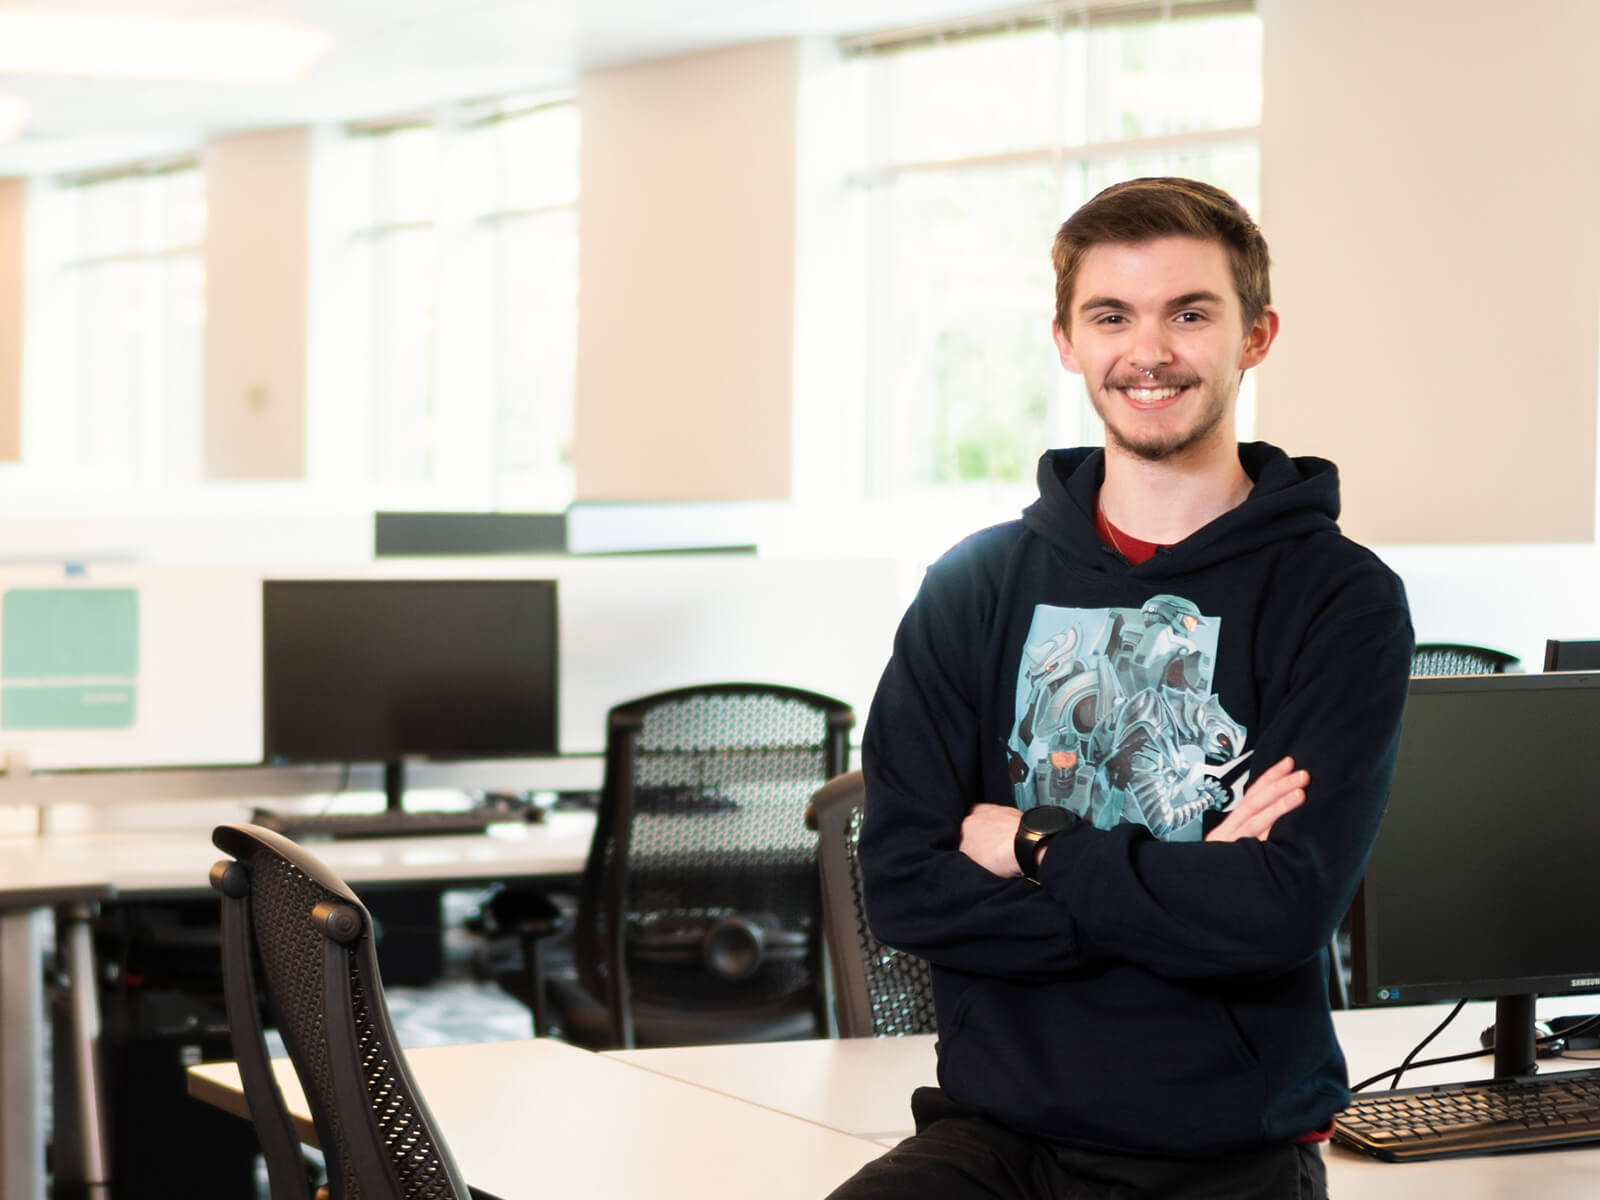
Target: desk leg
22	1064
84	991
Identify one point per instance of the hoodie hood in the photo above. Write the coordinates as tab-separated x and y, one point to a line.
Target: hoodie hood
1292	497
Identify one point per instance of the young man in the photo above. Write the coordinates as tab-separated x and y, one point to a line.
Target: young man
1127	762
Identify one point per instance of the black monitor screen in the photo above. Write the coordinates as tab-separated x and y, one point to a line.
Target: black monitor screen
385	670
1482	881
1571	656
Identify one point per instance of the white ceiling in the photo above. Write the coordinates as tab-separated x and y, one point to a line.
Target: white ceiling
393	56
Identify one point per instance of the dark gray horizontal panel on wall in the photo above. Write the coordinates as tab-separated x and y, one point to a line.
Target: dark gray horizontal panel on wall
414	533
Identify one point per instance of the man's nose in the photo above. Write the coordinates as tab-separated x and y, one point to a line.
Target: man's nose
1150	349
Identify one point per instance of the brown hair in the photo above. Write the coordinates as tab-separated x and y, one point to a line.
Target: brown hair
1141	210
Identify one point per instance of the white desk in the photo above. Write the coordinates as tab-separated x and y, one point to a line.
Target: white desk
138	863
863	1086
859	1086
538	1118
58	869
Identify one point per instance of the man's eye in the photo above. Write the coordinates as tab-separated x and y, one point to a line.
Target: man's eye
1110	319
1190	318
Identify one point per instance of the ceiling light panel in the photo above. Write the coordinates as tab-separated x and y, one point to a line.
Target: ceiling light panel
124	48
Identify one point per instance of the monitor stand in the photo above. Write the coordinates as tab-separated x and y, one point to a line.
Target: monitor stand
1514	1034
394	787
394	820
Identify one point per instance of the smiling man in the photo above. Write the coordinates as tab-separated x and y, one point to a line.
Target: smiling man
1126	764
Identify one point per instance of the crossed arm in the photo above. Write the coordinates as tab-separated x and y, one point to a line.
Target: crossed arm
989	831
1261	894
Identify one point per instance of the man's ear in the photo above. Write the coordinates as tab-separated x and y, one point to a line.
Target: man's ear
1259	340
1069	360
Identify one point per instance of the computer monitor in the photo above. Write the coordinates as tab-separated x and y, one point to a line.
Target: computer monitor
1571	656
397	670
1481	884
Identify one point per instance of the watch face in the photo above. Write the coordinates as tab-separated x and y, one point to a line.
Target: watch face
1046	819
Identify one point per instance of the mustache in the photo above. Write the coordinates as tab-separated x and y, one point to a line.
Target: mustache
1158	380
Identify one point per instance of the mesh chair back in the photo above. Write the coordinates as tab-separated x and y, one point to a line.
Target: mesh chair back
1455	658
701	891
880	991
292	928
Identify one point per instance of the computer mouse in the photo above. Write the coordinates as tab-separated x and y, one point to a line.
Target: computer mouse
1546	1043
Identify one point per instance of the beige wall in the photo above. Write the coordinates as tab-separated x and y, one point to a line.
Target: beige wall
12	192
1428	188
686	277
256	244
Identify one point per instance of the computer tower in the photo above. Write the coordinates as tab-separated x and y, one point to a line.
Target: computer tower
409	928
160	1141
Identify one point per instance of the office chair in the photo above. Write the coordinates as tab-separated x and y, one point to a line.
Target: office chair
1456	658
530	916
878	991
291	928
698	910
1571	656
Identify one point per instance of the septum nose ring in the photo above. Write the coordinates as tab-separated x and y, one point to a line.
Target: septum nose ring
1148	373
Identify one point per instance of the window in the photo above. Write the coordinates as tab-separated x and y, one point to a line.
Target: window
452	279
402	247
118	289
980	142
528	232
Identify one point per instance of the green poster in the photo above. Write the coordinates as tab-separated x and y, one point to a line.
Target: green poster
69	658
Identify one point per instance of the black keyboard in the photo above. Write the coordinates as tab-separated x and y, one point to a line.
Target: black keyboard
425	823
1482	1117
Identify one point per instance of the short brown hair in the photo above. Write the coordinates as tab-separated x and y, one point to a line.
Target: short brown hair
1141	210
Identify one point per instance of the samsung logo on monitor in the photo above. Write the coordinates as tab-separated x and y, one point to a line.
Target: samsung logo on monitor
1586	981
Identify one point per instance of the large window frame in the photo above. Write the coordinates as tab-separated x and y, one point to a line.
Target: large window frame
918	443
446	282
116	334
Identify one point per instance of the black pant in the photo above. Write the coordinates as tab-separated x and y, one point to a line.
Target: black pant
958	1155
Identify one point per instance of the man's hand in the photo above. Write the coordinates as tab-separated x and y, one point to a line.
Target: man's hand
1279	789
989	838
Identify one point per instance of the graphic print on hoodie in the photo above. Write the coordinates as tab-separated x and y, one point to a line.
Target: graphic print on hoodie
1117	720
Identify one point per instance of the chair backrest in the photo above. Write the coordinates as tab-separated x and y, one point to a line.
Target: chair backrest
1456	658
1571	656
291	928
700	890
879	991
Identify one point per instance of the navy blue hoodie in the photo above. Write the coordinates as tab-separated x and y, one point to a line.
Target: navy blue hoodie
1155	994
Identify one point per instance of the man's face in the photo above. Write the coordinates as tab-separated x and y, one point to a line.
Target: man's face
1158	335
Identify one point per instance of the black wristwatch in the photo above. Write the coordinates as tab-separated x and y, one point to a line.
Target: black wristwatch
1038	826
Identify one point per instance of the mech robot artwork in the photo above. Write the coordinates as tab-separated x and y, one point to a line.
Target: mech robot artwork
1116	719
